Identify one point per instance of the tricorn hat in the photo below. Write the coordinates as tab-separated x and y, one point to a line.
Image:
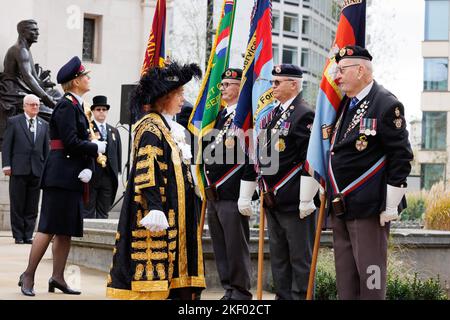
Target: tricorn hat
99	101
159	81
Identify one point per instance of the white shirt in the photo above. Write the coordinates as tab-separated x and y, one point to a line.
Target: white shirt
287	104
230	109
364	92
80	100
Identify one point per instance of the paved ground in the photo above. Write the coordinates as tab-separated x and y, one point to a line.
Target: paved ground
92	283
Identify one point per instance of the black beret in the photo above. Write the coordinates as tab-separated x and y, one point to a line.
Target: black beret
71	70
232	73
353	52
287	70
100	101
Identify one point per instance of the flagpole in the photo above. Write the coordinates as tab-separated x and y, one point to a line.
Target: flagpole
260	249
312	270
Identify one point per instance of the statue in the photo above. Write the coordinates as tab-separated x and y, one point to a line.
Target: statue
21	76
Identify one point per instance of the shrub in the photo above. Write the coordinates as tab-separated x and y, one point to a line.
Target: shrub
414	289
437	211
416	206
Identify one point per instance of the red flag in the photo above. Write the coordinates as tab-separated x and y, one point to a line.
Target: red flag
154	54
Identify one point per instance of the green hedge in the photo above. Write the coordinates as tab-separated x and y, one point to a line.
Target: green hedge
396	288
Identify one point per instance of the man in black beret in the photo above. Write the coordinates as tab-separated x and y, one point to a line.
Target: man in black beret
289	190
231	185
65	177
104	182
369	162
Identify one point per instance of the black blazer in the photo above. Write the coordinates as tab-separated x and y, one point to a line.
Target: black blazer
20	152
69	124
296	140
113	151
391	140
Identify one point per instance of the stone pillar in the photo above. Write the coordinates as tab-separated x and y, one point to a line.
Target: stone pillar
5	223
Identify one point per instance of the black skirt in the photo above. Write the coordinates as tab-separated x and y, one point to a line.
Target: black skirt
61	212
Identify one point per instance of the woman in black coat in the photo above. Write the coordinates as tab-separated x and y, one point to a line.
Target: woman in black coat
67	171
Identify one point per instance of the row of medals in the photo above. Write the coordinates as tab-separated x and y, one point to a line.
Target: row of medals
229	140
280	145
362	142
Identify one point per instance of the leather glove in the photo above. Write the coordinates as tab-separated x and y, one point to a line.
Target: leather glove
246	191
155	221
101	146
308	189
85	175
393	197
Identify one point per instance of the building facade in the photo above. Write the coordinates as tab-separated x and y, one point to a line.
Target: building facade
434	156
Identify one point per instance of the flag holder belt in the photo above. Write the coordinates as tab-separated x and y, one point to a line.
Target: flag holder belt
211	189
56	145
338	202
269	194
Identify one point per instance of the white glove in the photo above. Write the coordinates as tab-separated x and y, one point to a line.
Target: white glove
246	191
194	177
155	221
101	145
308	189
393	197
85	175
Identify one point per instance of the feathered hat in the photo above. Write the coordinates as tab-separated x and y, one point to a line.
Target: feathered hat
159	81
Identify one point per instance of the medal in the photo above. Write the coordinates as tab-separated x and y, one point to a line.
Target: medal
397	112
367	132
398	123
373	132
229	142
361	143
280	145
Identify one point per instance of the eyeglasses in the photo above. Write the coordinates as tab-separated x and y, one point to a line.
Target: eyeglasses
32	104
276	83
101	109
226	84
342	68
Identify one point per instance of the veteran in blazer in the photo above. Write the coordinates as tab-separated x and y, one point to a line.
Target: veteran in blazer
369	162
104	182
25	147
282	153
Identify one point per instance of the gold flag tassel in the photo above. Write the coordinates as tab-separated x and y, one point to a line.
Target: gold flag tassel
101	158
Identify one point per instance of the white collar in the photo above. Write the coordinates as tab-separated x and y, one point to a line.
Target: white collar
169	119
177	131
364	92
80	99
287	104
99	123
230	109
28	117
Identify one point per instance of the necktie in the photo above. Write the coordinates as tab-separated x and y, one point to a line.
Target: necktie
353	102
103	131
31	127
278	111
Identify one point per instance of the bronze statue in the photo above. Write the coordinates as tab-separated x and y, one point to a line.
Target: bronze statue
21	76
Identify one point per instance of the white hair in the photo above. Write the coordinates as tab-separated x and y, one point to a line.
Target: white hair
30	97
299	83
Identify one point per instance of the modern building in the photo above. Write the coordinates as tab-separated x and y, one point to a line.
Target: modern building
434	156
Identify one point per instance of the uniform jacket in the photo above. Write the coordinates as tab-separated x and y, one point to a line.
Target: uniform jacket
113	153
295	144
20	152
229	190
69	124
390	141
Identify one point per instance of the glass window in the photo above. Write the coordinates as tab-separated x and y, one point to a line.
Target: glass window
436	19
276	54
306	25
431	173
88	39
435	77
276	22
434	130
305	58
290	55
290	23
294	2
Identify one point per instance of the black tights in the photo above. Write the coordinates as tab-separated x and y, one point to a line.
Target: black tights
60	251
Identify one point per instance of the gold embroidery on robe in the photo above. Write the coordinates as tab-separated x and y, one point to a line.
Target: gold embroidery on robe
139	272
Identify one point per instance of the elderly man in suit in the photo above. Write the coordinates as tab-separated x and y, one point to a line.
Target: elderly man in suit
104	183
25	147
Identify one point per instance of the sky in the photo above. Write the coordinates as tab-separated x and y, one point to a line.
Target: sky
395	30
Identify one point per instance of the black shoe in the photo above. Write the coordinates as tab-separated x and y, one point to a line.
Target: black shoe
19	241
52	284
25	291
28	241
